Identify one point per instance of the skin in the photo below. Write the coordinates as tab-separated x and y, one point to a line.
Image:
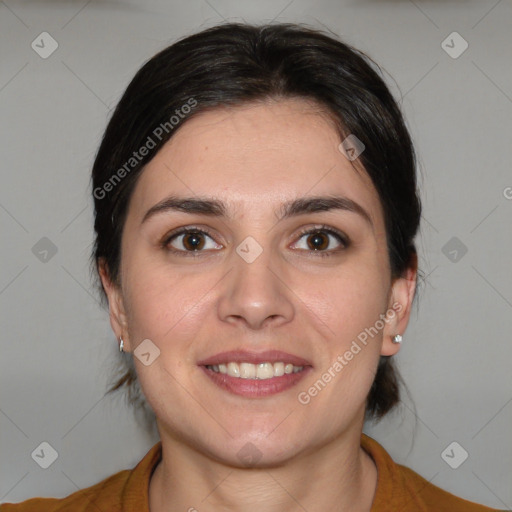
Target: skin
254	158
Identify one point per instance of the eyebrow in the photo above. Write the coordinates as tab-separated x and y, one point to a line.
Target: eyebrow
292	208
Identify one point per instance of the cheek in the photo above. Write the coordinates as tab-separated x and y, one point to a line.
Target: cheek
163	300
348	299
349	303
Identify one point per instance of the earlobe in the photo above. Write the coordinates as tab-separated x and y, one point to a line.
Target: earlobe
399	311
115	305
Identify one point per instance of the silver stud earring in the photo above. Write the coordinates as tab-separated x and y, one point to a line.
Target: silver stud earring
397	338
121	344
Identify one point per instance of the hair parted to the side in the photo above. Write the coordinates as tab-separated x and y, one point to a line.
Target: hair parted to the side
234	64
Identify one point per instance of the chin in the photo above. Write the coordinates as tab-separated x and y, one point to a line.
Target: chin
257	450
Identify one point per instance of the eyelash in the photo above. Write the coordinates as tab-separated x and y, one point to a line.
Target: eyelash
342	238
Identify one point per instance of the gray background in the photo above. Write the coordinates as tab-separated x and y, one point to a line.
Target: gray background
57	346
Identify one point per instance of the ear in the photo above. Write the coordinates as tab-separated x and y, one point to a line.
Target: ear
117	313
399	307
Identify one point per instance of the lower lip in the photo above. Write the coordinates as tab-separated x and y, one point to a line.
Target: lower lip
255	388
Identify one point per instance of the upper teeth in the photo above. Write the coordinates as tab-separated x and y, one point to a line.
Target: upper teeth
255	371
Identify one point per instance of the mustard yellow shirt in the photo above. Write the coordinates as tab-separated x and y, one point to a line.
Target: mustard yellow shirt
399	489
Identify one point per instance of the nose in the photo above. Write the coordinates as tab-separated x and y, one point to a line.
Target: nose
256	293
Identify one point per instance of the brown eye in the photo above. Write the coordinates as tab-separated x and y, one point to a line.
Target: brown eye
320	240
317	241
189	240
193	241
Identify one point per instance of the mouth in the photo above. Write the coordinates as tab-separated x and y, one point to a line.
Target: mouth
253	374
261	371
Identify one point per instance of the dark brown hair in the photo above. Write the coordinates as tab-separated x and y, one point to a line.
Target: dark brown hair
233	64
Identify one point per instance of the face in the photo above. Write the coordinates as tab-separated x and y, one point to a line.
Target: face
283	290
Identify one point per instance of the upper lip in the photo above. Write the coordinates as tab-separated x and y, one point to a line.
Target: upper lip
245	356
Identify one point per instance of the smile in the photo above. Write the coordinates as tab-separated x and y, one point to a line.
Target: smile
259	371
255	374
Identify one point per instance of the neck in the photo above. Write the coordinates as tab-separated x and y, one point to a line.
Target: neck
338	476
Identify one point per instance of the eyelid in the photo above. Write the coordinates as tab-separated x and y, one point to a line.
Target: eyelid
343	238
167	238
325	228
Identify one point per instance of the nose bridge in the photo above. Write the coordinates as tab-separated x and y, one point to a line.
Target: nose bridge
254	292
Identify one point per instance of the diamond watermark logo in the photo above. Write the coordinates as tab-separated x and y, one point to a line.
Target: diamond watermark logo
249	249
44	45
146	352
454	455
44	455
454	249
249	454
44	250
351	147
454	45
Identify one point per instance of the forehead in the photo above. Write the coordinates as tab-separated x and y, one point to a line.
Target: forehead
256	156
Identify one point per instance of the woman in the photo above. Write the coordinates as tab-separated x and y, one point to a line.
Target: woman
256	208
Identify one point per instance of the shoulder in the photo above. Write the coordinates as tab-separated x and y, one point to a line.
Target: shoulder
105	491
419	490
126	490
401	488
